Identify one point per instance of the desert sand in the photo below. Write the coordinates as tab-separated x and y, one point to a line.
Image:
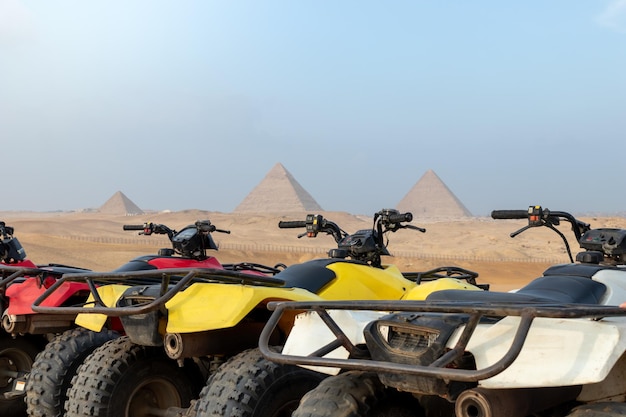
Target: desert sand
98	242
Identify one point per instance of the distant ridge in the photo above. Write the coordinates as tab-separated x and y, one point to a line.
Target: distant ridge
278	192
431	198
120	204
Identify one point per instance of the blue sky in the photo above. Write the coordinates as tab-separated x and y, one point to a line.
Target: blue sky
188	104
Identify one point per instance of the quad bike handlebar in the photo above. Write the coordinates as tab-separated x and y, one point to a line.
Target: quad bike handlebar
538	216
365	245
390	219
291	224
509	214
6	231
192	241
314	224
542	217
400	217
11	251
149	228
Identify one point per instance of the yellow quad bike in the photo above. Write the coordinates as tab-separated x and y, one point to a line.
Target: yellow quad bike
199	321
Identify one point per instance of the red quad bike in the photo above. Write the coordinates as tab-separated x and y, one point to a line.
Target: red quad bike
45	381
21	281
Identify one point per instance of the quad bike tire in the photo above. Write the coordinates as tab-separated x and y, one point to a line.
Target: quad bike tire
357	394
54	367
122	379
16	355
248	385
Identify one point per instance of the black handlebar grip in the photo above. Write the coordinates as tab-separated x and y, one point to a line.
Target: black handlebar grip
509	214
133	227
294	224
399	218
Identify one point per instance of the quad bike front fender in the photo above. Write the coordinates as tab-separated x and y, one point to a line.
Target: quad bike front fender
212	306
109	294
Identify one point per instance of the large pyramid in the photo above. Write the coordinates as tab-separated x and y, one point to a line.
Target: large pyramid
431	198
120	204
278	192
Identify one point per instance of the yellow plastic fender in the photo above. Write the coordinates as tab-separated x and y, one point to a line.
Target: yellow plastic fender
423	290
214	306
109	295
362	282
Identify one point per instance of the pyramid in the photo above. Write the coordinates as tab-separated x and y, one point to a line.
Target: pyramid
120	204
278	192
431	198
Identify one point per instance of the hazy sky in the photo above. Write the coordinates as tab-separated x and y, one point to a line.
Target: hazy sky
188	104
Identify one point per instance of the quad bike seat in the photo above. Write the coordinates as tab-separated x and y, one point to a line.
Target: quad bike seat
581	270
567	289
312	275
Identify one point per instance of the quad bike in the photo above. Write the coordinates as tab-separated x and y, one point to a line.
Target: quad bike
197	319
554	348
208	322
20	278
44	382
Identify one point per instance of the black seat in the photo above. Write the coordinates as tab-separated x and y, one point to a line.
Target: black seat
579	270
312	275
548	289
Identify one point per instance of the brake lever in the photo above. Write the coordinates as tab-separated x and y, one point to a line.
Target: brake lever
410	226
521	230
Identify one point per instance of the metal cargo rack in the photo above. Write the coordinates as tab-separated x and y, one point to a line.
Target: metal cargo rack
171	282
476	311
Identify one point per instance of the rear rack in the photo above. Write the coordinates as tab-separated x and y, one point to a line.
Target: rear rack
475	312
171	281
445	272
11	273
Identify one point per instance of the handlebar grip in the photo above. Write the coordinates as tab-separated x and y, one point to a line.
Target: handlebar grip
399	218
509	214
293	224
133	227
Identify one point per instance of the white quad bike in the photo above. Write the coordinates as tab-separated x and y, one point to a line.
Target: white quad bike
554	348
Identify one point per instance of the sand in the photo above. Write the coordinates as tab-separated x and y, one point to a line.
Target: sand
98	242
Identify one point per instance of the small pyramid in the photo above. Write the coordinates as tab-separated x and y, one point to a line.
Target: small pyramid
431	198
120	204
278	192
